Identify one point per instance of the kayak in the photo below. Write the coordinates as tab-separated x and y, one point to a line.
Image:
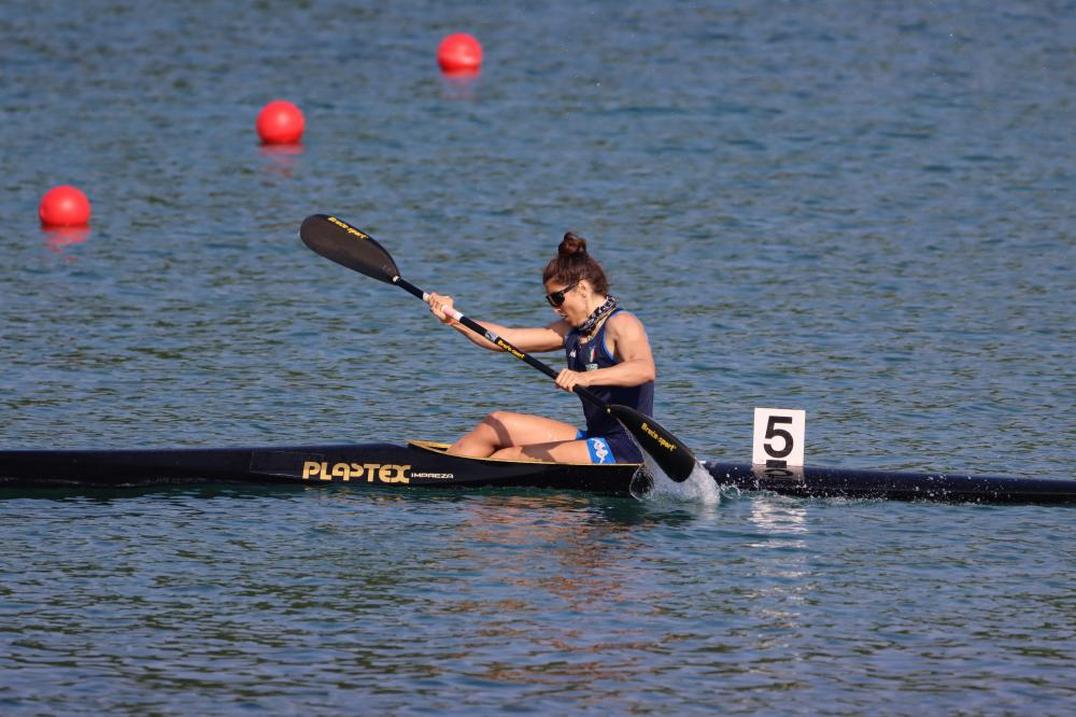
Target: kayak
425	464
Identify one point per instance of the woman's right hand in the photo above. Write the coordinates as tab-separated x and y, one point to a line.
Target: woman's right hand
439	305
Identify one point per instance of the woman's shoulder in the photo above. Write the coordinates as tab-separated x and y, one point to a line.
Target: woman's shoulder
623	322
623	318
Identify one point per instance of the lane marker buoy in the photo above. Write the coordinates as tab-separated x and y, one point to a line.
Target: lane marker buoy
64	206
459	53
280	122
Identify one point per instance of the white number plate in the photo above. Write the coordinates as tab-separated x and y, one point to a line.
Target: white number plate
779	436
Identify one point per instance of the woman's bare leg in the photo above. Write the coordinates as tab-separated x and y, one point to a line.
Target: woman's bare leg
504	429
562	452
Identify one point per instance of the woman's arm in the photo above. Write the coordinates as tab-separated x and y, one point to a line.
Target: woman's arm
529	340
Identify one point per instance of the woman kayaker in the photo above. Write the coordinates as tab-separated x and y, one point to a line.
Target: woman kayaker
607	350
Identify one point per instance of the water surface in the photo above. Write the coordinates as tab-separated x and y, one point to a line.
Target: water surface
862	212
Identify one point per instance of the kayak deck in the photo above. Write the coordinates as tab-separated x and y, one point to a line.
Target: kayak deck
425	463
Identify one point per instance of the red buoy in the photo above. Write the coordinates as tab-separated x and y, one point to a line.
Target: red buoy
459	53
64	206
280	122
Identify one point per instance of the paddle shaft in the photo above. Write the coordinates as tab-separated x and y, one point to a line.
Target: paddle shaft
501	343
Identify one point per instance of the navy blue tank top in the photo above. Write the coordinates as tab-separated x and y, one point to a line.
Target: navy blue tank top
594	355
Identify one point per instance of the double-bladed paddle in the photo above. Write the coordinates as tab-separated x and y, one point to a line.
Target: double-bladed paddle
337	240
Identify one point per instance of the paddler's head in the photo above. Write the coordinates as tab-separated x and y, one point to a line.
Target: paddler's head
575	283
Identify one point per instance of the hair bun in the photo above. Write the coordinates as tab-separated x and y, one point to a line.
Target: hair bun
573	264
572	244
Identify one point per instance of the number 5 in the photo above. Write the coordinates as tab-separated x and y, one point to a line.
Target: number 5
779	434
773	432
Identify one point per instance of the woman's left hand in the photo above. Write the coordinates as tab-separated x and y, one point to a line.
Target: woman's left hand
568	379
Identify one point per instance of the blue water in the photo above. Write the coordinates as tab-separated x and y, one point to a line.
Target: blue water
864	212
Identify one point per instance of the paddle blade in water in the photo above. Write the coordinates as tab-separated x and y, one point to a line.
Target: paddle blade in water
673	458
337	240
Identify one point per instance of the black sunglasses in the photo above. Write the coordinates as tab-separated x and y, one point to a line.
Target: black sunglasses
556	298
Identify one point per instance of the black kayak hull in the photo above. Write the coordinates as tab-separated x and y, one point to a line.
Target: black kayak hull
424	464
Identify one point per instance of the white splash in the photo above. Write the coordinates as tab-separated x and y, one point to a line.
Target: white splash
700	486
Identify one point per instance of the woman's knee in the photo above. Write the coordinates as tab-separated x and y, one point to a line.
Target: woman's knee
500	420
499	424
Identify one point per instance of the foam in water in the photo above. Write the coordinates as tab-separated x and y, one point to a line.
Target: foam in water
652	484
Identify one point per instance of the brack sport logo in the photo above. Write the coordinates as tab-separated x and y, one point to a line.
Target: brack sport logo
370	472
348	228
510	348
657	438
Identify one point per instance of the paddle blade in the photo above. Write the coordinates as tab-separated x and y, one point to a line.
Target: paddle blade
673	458
337	240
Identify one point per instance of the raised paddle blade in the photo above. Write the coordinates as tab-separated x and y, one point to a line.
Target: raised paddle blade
670	455
337	240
